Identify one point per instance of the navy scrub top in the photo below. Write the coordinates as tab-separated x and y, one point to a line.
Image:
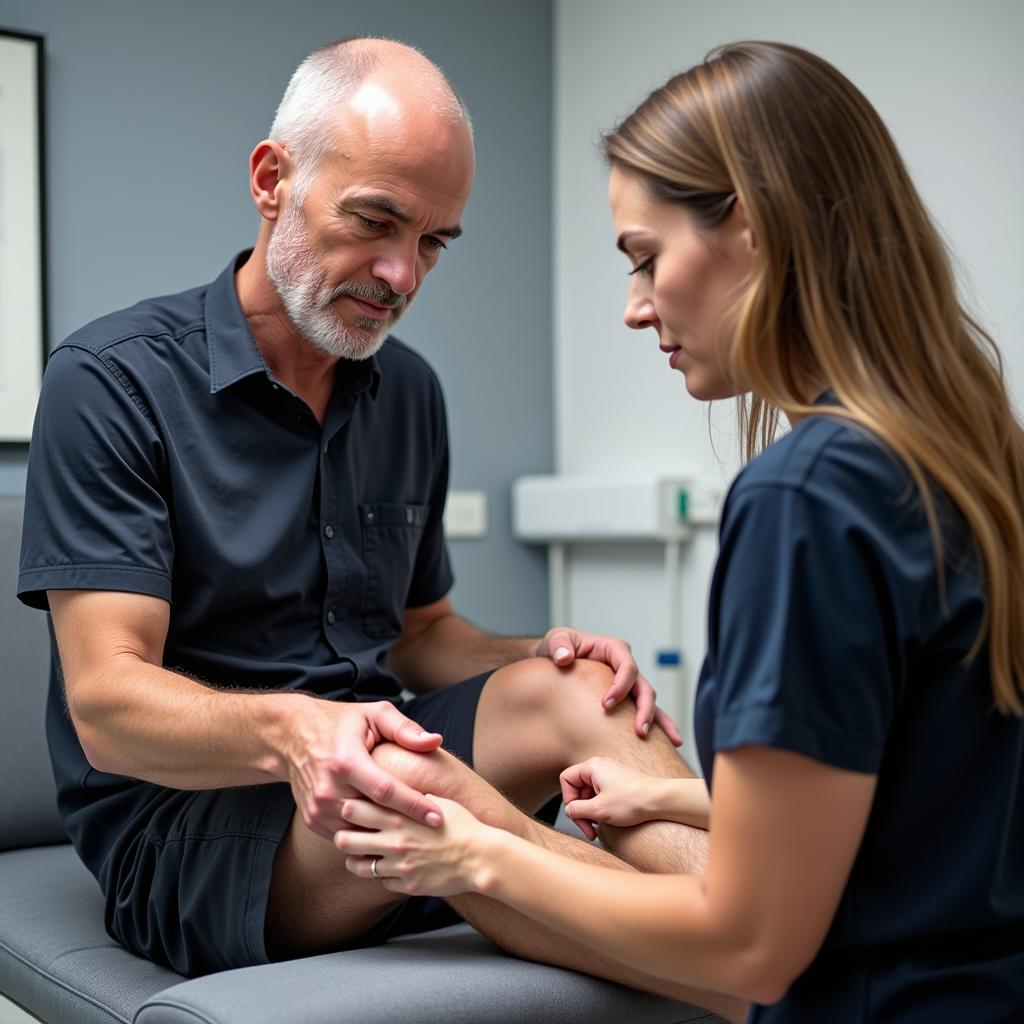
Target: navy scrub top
167	460
828	637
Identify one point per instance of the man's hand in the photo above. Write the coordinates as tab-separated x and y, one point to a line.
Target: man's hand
564	645
330	762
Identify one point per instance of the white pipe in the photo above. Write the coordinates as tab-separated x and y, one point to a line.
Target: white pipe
673	602
558	585
670	673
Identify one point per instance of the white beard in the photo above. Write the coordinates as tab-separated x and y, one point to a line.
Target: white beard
301	283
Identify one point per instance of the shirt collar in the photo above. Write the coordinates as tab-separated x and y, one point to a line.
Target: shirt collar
234	354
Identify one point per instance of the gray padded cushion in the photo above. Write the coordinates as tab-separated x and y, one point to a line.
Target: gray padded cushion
28	811
454	975
56	959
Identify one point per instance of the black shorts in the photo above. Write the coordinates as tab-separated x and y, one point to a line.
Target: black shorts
191	889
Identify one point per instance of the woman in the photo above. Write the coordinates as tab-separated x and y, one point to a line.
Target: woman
859	711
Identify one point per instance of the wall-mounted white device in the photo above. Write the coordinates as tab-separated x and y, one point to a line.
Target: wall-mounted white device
553	509
562	510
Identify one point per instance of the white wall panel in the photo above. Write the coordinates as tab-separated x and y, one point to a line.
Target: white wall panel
947	77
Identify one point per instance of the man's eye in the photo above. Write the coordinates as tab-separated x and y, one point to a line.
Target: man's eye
434	243
644	268
373	225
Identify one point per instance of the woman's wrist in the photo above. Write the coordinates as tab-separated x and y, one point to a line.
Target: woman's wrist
661	800
493	851
689	801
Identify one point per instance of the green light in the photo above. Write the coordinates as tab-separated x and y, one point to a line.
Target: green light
684	505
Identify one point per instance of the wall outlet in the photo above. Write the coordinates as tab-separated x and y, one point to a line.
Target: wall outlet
465	515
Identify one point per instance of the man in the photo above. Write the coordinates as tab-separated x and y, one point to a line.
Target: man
234	517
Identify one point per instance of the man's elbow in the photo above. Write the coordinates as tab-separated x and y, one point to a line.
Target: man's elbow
98	751
90	716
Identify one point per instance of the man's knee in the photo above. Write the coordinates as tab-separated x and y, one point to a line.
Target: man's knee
434	772
538	686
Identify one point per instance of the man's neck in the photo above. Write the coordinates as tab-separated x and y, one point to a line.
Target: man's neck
298	365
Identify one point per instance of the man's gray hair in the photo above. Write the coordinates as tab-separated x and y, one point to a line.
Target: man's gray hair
326	79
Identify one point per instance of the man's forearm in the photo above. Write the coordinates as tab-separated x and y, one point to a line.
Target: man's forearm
452	649
149	723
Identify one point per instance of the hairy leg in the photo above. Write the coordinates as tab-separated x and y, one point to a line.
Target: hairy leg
315	905
535	719
442	774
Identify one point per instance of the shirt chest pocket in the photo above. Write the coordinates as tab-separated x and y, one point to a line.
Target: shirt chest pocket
391	539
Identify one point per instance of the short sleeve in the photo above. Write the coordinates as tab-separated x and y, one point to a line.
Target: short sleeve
96	516
432	576
803	655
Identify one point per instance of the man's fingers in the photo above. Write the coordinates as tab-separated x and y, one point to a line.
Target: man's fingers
387	791
391	724
668	727
644	695
324	831
561	647
626	675
362	773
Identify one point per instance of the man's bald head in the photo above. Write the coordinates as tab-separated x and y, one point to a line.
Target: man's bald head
341	75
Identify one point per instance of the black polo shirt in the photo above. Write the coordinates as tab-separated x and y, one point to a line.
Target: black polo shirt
167	460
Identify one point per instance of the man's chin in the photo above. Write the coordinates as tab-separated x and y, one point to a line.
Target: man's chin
357	349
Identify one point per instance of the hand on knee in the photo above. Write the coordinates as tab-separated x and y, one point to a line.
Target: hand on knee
538	686
431	772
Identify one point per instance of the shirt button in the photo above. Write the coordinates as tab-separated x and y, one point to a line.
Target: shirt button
328	532
331	617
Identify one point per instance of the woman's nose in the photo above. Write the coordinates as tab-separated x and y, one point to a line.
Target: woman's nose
639	312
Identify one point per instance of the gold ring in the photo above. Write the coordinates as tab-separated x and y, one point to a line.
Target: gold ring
373	868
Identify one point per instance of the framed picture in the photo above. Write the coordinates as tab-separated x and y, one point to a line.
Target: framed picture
22	224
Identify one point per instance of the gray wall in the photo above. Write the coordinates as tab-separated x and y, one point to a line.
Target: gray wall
152	110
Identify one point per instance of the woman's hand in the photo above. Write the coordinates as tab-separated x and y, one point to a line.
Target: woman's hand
412	858
600	791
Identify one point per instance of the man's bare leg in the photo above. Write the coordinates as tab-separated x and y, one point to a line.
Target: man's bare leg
511	930
316	906
533	721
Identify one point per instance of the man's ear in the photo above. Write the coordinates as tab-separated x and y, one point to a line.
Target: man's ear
270	174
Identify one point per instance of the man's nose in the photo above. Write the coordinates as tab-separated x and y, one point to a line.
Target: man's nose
398	268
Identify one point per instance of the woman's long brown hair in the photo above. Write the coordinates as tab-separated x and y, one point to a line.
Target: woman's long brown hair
851	289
